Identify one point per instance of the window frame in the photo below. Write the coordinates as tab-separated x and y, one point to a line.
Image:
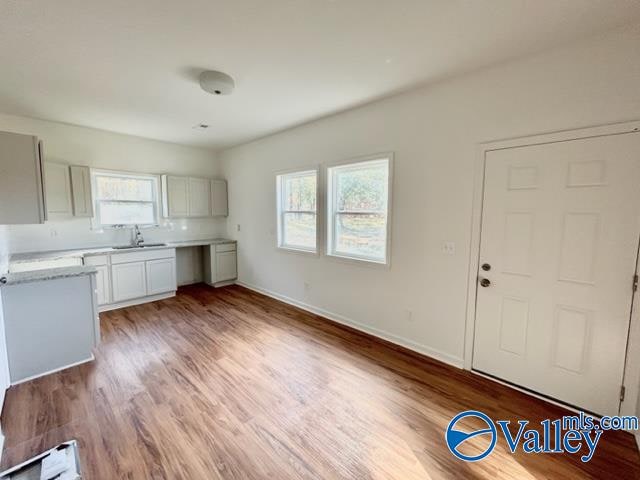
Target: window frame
280	212
331	215
96	221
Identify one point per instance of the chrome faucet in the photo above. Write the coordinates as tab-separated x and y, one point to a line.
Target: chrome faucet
138	239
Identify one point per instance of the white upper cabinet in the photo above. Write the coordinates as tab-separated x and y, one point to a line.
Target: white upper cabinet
199	193
219	202
81	191
193	197
21	180
175	195
57	182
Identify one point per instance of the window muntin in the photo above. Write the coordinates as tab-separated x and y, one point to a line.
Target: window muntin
297	210
358	210
125	199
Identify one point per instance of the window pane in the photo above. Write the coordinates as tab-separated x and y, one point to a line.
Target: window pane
362	235
300	192
115	213
299	230
124	188
362	187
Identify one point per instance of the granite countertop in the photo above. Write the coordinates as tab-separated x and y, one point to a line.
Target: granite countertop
79	253
198	243
46	274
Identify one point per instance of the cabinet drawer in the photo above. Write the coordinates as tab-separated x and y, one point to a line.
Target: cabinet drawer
141	256
96	260
226	247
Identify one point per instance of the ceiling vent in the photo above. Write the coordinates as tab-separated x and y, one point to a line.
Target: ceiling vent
216	83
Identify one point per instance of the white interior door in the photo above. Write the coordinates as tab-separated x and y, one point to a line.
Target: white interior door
560	229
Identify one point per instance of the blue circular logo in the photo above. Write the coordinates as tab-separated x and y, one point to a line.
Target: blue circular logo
455	437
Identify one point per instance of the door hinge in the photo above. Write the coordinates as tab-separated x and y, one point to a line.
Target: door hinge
622	392
635	283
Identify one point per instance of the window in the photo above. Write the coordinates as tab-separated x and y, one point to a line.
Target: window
124	199
358	200
297	210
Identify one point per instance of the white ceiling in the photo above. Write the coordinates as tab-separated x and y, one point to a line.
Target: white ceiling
131	66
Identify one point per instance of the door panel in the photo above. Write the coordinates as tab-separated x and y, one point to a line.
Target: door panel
560	229
226	266
178	196
161	276
199	197
129	281
58	188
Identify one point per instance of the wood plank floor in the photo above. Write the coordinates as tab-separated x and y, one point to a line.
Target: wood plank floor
230	384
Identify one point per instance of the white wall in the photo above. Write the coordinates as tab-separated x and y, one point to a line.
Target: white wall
434	132
84	146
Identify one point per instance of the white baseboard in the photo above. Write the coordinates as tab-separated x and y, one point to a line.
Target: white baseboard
48	372
390	337
136	301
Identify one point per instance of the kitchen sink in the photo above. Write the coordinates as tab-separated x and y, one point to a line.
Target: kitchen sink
146	245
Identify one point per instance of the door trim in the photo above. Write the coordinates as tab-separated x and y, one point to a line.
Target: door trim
632	365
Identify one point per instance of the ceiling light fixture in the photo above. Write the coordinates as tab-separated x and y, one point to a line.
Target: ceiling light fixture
216	83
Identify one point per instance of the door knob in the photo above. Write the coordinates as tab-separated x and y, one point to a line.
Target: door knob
485	282
486	267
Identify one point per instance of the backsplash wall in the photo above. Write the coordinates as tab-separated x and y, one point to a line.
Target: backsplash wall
106	150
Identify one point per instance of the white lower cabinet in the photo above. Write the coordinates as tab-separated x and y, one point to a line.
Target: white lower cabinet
103	285
161	275
226	266
129	281
139	274
220	264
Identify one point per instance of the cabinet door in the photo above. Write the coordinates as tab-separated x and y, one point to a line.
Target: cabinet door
161	276
58	189
199	193
226	267
129	281
20	180
177	196
219	202
81	192
103	289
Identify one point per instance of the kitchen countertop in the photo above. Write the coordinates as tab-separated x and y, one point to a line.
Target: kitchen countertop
55	254
46	274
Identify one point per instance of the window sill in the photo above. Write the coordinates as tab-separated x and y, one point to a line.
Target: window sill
300	251
122	227
358	261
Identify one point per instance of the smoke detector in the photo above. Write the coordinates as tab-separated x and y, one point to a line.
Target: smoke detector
216	83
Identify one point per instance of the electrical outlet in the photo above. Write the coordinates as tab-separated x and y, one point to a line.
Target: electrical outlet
408	315
449	248
53	233
238	227
307	286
